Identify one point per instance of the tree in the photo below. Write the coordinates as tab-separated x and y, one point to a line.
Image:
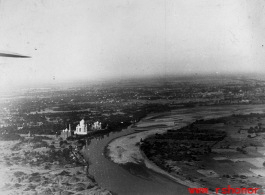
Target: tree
61	143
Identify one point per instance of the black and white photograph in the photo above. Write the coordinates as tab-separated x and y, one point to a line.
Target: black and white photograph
132	97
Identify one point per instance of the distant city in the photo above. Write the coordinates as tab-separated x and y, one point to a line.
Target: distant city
118	104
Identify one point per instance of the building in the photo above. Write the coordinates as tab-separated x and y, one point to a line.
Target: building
30	134
66	133
96	126
19	128
81	128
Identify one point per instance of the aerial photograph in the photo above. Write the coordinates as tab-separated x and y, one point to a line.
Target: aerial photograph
132	97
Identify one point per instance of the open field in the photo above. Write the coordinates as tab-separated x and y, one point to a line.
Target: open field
236	159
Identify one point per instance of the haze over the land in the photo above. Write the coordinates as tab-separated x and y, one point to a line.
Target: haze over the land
98	39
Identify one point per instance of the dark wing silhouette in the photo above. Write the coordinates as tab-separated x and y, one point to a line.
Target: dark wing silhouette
12	55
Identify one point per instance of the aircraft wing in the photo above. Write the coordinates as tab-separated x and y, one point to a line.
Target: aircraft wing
12	55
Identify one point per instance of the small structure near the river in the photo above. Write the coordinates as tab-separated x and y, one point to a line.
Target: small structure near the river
66	133
29	134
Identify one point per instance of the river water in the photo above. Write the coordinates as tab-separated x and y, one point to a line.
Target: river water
132	179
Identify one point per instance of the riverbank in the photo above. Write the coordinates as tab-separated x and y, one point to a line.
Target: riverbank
43	167
125	150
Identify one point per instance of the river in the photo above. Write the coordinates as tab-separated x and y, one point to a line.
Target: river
134	179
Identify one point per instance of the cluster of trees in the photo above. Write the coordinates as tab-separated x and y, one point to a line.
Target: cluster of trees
209	121
256	129
172	151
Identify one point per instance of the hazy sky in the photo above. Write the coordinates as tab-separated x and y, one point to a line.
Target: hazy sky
94	39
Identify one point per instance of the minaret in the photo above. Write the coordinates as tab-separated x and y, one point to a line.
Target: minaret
70	132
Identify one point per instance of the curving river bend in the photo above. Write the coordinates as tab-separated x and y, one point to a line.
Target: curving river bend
133	179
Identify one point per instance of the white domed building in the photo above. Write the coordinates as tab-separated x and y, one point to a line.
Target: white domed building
81	128
96	126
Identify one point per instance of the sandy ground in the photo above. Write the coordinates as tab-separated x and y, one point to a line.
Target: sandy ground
20	174
125	149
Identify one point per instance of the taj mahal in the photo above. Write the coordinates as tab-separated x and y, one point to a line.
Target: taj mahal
83	129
